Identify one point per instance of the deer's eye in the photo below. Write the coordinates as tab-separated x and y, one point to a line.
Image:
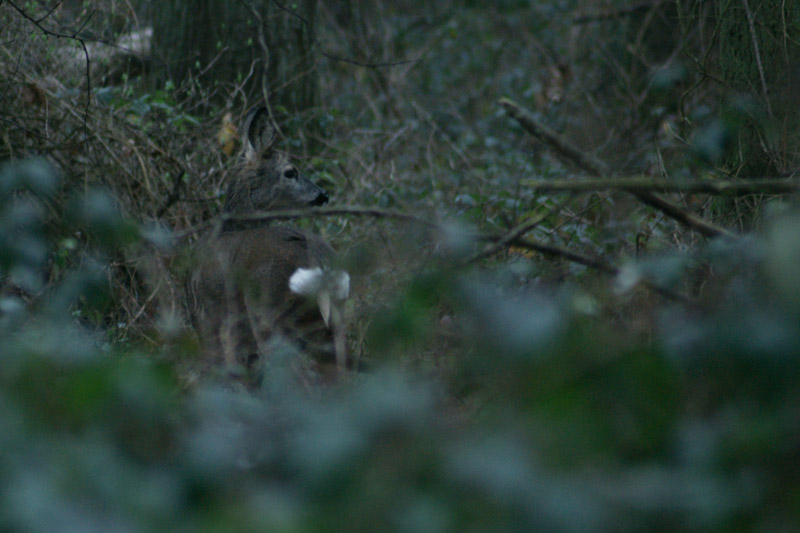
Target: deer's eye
290	173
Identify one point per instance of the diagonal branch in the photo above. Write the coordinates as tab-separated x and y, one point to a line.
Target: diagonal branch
507	239
598	168
595	263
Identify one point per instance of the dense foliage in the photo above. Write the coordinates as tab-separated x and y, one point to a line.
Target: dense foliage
536	360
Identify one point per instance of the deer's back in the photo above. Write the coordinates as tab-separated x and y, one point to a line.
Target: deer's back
256	259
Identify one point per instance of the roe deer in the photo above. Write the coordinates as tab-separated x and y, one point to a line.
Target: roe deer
251	279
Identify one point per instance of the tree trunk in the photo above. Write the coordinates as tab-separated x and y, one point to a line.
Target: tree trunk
214	47
759	58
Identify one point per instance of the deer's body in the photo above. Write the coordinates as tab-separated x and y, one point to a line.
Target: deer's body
239	292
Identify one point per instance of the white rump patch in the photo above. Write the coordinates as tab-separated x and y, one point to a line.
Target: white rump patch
312	281
306	281
325	286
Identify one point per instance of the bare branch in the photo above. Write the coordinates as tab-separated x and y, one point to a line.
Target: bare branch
292	214
646	183
562	146
515	237
598	168
558	251
506	240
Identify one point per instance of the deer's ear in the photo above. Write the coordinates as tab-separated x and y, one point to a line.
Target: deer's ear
259	130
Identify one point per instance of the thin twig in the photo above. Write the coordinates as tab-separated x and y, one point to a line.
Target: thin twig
51	33
48	12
